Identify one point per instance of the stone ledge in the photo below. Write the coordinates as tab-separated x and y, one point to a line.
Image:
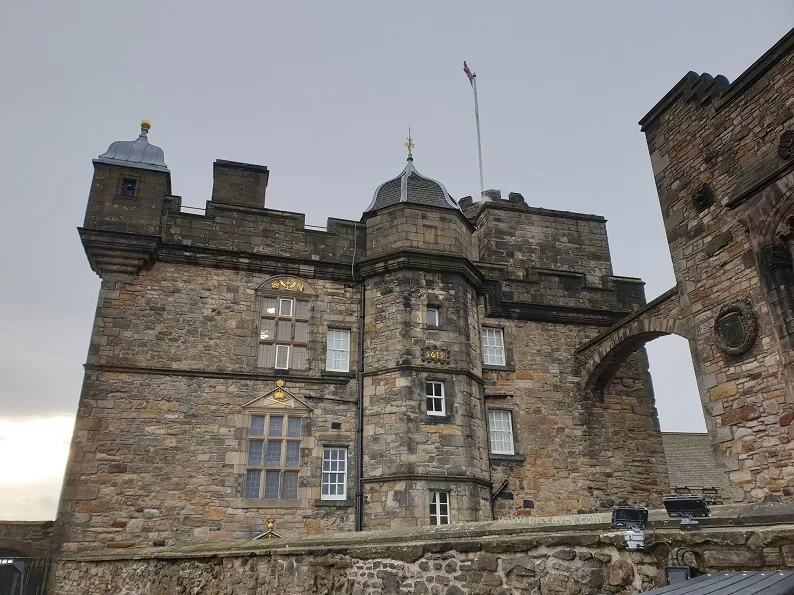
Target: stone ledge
724	528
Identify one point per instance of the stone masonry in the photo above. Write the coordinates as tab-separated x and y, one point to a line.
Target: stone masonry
560	555
184	363
722	160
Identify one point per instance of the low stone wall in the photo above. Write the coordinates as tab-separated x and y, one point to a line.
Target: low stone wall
559	555
31	539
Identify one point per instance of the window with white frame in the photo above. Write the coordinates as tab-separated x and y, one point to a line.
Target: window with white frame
500	430
431	317
283	333
337	355
273	458
434	394
334	482
439	508
493	347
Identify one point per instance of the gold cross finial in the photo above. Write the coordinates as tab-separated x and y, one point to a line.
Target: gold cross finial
410	143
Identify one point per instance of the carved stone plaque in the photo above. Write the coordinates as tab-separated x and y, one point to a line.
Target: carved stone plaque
736	328
435	355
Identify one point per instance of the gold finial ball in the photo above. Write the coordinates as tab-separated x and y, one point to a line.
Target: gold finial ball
145	124
279	383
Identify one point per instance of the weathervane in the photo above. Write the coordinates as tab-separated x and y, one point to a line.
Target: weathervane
410	144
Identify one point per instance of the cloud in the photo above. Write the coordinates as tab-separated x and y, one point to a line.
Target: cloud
33	456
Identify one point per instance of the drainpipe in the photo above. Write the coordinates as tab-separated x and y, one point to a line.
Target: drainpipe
360	420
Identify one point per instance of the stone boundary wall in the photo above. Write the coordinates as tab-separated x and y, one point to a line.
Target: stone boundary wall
29	538
560	555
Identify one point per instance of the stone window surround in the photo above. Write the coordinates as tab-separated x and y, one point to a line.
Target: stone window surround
128	178
263	294
431	305
509	364
434	490
303	470
337	443
501	405
328	329
434	397
449	399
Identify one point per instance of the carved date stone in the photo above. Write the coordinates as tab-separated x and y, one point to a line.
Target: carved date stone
736	328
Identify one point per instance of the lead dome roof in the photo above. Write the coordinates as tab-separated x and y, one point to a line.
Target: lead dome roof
411	187
135	153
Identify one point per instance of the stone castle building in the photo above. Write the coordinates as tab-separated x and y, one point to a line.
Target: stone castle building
438	360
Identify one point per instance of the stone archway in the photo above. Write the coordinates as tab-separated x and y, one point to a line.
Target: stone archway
601	357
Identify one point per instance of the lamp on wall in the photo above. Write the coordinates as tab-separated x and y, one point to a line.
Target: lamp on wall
687	508
634	519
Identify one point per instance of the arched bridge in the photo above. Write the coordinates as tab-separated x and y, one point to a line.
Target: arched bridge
601	357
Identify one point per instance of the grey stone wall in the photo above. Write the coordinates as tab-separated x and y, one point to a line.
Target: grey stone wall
557	555
723	191
30	539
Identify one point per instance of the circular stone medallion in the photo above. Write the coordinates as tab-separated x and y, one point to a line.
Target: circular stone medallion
736	328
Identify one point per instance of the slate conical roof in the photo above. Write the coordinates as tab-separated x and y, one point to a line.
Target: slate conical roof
411	187
135	153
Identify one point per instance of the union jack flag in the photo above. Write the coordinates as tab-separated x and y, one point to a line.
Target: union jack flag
469	73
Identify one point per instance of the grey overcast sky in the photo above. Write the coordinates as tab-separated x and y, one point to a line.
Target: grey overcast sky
322	93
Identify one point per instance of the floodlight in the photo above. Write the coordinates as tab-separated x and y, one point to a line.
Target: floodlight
633	518
687	508
677	574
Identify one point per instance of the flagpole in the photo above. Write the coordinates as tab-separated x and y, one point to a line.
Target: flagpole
477	119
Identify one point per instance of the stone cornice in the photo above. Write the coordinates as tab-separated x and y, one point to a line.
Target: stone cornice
117	252
421	260
497	307
427	369
250	261
506	205
427	477
284	375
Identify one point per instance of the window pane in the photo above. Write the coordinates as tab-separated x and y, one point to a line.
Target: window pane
298	358
432	317
493	347
285	308
276	427
295	427
273	458
334	477
301	309
500	429
255	453
251	489
282	357
269	306
271	484
284	330
301	332
257	425
265	359
337	358
267	329
293	455
289	490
